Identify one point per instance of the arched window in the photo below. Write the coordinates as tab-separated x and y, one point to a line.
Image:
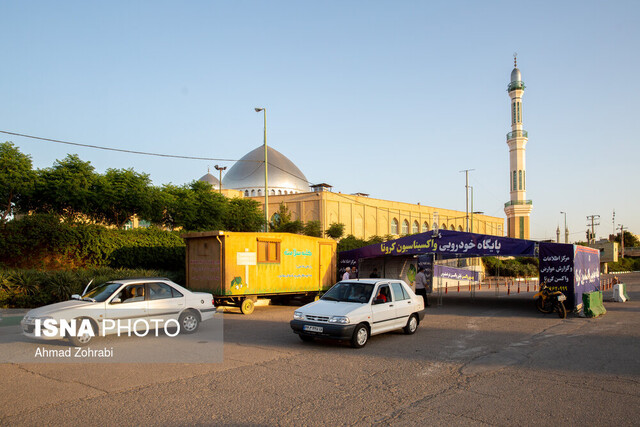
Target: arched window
246	193
425	226
275	219
405	227
514	181
459	228
279	192
394	226
259	193
253	193
453	227
416	228
273	192
444	226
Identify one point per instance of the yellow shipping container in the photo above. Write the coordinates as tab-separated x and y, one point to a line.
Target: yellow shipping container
237	268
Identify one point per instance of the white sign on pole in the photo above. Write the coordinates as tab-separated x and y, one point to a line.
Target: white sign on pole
247	258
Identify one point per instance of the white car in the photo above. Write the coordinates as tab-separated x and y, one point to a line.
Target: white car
354	310
124	306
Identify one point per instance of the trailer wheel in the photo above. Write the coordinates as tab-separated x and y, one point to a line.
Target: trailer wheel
247	306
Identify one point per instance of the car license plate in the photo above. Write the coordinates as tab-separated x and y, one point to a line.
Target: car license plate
311	328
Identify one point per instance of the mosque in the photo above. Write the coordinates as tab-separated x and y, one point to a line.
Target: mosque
364	216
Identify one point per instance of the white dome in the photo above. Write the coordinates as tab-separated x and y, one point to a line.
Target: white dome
211	180
248	174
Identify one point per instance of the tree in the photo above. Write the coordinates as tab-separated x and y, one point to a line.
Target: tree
335	230
66	189
16	179
281	222
629	239
243	215
313	228
122	193
280	218
196	208
351	242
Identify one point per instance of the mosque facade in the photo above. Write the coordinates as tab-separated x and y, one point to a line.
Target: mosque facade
363	216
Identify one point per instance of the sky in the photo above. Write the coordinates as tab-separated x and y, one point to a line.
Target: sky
389	98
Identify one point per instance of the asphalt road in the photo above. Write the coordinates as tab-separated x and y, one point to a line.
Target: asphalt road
491	361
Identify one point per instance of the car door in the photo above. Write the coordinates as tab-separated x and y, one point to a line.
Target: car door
165	302
128	309
405	306
383	314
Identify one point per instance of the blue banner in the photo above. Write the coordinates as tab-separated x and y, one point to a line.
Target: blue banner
455	273
445	242
586	264
572	270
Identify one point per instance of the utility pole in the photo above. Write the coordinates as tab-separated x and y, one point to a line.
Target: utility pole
622	229
466	187
593	219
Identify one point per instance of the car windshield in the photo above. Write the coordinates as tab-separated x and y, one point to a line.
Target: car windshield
102	292
349	292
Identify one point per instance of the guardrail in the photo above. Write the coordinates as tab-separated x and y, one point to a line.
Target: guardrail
519	84
517	133
518	202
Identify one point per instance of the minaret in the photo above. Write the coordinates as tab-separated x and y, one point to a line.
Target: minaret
518	208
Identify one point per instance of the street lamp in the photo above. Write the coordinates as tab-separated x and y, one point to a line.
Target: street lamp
220	169
266	182
566	232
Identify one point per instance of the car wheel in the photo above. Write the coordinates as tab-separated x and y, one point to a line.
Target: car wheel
412	325
306	338
247	306
360	336
84	339
189	322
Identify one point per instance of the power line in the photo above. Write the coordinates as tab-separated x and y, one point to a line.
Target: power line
144	153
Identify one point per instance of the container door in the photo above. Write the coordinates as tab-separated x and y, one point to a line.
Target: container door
326	272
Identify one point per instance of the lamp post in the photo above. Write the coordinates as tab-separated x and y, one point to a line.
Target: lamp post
566	232
466	187
220	169
471	187
266	182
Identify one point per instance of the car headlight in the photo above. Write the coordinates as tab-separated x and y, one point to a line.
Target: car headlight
297	315
32	319
339	319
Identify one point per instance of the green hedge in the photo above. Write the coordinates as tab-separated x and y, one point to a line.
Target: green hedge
516	267
43	242
624	264
34	288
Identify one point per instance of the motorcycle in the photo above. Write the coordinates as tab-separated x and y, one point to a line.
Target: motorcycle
548	301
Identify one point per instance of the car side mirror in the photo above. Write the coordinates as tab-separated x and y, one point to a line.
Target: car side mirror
116	301
378	301
75	296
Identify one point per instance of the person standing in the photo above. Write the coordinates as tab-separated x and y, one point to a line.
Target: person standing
374	274
354	273
345	276
421	286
